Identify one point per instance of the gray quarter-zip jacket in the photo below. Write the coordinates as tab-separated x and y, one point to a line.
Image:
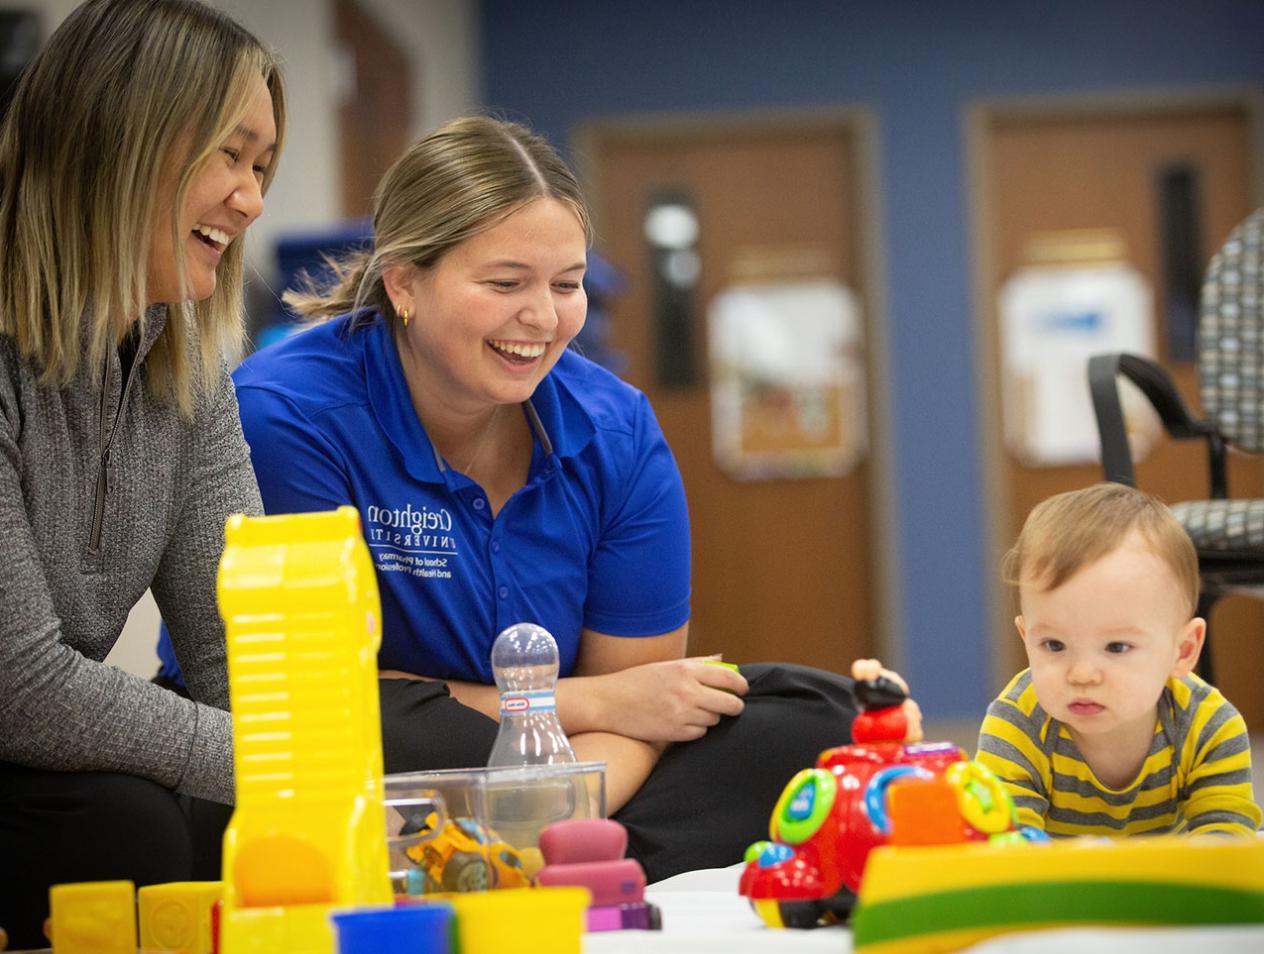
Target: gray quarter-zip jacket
105	493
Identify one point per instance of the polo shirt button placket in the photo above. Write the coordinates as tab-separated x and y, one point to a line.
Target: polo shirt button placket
479	504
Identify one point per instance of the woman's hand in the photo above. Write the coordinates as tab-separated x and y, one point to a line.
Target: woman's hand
673	700
642	688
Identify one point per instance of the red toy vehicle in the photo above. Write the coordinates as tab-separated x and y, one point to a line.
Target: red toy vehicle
830	817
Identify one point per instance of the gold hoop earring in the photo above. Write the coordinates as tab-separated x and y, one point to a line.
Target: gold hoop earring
404	316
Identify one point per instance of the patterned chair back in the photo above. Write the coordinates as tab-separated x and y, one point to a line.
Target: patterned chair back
1231	336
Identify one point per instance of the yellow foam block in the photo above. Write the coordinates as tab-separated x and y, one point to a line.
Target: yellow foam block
292	929
524	920
94	917
176	917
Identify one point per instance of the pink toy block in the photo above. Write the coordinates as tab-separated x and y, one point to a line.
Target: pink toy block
583	839
611	882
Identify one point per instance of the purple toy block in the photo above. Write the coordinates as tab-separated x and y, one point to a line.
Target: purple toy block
638	916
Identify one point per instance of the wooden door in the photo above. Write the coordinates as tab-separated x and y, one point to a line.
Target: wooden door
1103	170
782	568
375	115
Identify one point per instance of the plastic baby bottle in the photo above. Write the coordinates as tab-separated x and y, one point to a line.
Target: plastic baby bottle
524	660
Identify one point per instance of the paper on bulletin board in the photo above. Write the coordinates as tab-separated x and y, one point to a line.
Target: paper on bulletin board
1053	319
787	380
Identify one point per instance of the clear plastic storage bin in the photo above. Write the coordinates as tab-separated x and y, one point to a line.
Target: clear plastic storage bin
473	829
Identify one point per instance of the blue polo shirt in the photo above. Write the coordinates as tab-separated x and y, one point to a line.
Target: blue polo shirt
597	538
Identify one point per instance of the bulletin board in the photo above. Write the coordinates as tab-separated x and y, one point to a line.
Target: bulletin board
787	380
1053	319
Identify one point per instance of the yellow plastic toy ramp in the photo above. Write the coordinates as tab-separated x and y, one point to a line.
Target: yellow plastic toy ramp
301	614
945	898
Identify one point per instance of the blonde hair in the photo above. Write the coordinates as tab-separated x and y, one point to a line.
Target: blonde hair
1073	529
455	182
122	91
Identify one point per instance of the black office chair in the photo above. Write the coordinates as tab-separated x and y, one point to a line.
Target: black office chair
1227	533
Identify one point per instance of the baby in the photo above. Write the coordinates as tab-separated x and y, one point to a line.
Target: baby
1109	732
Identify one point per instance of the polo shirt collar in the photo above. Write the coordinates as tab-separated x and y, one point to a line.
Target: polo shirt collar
392	403
563	419
561	423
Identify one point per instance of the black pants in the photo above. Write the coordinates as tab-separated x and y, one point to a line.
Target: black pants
63	827
704	802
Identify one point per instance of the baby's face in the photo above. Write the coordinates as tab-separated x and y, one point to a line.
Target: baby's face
1102	645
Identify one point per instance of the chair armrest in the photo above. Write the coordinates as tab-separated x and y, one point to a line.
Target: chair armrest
1157	386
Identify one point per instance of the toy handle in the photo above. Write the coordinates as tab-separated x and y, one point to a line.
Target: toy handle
413	818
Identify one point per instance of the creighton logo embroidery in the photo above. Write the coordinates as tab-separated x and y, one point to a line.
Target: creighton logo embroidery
416	540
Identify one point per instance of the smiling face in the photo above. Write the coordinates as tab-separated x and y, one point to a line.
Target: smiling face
224	196
1102	644
492	316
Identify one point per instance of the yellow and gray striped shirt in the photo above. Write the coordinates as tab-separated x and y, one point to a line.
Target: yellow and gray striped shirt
1197	776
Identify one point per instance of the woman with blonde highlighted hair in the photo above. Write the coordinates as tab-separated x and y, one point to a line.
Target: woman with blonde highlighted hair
136	151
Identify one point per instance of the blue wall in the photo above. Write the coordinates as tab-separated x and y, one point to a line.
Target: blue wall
556	63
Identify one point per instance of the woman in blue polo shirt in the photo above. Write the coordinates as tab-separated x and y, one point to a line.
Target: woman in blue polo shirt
501	478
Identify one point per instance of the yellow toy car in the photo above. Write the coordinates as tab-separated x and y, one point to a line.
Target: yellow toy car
463	856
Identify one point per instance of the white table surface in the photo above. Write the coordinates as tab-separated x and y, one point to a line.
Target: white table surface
704	914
